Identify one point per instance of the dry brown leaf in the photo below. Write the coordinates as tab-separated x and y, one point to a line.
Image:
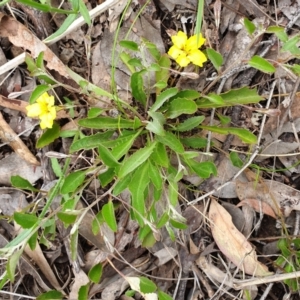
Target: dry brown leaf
80	279
233	243
259	206
9	136
21	37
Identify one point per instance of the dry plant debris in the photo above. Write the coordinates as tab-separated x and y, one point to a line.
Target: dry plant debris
152	180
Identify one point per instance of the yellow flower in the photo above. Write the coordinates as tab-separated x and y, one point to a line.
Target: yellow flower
44	109
186	51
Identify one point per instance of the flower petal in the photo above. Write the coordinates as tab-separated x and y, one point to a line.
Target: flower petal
179	40
183	60
197	58
33	110
46	121
174	52
193	44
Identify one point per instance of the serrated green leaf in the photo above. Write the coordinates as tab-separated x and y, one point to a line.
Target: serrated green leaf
72	182
180	106
109	123
121	185
190	123
233	97
215	57
25	220
194	142
162	98
235	160
187	94
155	176
51	295
12	263
170	140
109	217
49	136
107	177
147	286
261	64
129	45
135	160
137	87
21	183
173	192
95	273
216	99
38	92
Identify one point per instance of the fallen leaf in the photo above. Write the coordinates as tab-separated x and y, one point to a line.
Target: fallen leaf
259	206
233	243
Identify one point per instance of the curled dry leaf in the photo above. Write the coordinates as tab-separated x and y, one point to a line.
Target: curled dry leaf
233	243
259	206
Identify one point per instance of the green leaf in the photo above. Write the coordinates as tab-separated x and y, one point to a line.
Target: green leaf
107	157
194	142
135	62
97	222
152	48
155	176
33	240
279	32
91	142
51	295
109	217
162	76
215	57
203	169
67	217
95	273
38	92
56	167
188	94
233	97
250	27
190	123
162	98
107	177
261	64
224	119
178	225
173	192
72	182
45	7
84	12
66	24
94	112
160	156
156	126
136	160
109	123
49	136
137	187
21	183
163	296
180	106
147	286
12	263
129	45
170	140
235	160
83	293
291	45
137	87
245	135
125	57
163	220
216	99
121	185
25	220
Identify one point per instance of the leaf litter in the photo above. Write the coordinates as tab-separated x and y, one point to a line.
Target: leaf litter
212	220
